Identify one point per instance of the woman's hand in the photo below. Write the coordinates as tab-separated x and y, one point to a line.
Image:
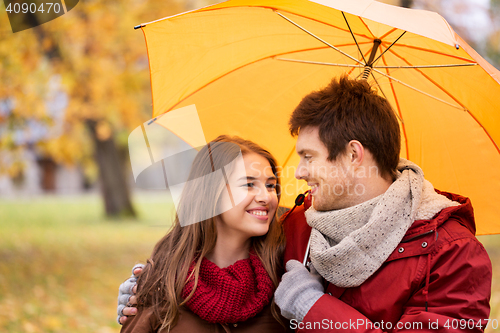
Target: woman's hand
126	296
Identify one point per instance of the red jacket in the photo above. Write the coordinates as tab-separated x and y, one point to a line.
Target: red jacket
439	276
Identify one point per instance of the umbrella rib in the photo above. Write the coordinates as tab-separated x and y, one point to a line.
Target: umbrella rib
321	22
396	100
359	66
435	52
318	38
430	80
387	49
223	75
485	130
382	91
313	49
352	34
428	66
319	63
417	90
380	87
462	106
304	50
387	33
289	156
352	69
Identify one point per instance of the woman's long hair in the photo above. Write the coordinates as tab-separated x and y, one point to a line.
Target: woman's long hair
164	276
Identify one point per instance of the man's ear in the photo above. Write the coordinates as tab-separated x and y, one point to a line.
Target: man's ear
355	153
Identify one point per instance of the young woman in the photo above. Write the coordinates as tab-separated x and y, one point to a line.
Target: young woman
218	267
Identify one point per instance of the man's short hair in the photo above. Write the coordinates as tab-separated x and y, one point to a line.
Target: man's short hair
349	109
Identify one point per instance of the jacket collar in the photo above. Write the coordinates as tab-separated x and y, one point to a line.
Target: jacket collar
463	213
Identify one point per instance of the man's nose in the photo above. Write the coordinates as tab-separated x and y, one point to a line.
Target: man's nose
301	172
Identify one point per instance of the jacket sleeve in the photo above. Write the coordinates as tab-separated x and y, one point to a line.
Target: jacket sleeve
143	322
459	289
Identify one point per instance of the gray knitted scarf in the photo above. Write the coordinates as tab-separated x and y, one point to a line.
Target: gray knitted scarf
349	245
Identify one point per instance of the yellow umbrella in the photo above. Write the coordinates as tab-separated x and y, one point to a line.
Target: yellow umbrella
246	64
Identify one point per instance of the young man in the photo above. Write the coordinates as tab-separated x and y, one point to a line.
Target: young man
391	252
387	252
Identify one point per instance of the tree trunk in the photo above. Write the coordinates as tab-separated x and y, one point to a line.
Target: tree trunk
407	3
114	186
48	178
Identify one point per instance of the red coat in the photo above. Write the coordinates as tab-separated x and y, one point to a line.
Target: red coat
438	262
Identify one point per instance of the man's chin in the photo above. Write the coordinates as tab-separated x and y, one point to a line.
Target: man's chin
319	206
322	206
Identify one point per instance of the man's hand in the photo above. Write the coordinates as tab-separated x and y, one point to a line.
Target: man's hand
126	295
298	290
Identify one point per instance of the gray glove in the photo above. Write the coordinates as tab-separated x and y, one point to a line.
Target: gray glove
298	290
125	292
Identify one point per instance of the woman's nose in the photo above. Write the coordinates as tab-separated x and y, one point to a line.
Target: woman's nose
263	195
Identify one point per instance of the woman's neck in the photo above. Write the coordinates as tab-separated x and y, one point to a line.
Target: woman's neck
227	251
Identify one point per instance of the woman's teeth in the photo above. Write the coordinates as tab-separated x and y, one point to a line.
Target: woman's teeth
258	212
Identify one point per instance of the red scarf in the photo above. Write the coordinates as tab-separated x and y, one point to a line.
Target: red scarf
231	294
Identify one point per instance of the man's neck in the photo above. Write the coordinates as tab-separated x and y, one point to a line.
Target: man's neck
374	186
377	186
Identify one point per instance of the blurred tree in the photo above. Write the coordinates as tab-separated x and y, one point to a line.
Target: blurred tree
406	3
493	45
476	21
103	69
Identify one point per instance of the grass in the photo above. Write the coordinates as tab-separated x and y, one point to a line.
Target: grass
61	262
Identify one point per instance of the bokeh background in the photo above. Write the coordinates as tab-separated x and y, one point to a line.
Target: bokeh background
72	222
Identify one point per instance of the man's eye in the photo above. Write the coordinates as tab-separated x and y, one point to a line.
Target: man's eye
271	186
249	185
307	157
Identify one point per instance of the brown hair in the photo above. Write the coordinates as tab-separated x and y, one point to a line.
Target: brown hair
165	274
349	109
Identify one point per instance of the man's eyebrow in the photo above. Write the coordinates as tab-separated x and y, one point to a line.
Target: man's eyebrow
305	151
255	178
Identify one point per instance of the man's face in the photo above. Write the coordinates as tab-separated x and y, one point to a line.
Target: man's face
332	182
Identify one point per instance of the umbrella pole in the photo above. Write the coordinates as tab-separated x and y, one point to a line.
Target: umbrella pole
368	66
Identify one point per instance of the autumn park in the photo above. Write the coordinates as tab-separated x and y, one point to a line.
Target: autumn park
72	220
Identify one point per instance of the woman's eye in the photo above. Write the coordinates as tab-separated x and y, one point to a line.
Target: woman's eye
271	186
307	157
248	185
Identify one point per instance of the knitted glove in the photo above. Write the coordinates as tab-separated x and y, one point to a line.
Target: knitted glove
125	292
298	290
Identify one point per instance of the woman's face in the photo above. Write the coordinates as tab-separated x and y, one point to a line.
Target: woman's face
253	189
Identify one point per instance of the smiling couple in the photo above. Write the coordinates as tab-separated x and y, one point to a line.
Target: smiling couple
383	246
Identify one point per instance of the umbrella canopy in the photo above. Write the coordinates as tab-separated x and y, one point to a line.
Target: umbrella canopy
246	64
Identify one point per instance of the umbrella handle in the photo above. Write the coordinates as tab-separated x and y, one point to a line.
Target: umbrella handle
307	250
298	202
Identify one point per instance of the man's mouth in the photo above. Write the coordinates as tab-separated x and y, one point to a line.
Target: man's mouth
314	188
